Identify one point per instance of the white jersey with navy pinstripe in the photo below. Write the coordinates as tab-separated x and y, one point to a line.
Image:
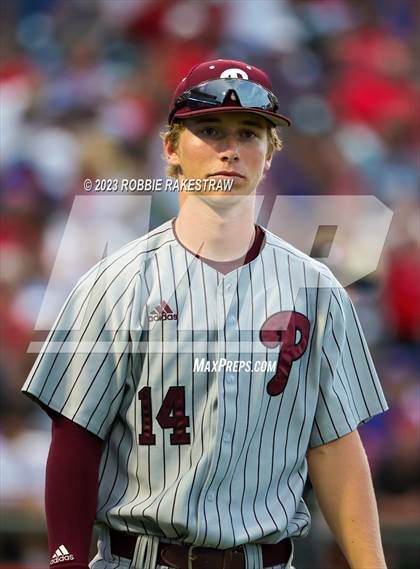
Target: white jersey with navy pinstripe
215	455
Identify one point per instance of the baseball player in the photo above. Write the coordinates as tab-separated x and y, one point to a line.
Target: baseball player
197	375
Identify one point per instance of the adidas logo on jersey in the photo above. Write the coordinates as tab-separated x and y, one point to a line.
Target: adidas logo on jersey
61	555
162	312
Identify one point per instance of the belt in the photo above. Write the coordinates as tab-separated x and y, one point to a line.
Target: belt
181	556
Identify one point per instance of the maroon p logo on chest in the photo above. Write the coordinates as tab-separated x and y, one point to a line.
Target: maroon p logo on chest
282	327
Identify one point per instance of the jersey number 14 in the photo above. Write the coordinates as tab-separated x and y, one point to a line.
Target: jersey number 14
171	416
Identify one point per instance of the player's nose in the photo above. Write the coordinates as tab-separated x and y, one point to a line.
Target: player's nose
230	149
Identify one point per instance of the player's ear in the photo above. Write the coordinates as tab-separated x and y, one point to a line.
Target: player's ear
270	150
170	150
268	159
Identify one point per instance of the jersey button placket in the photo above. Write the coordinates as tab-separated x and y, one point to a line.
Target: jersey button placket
213	478
227	382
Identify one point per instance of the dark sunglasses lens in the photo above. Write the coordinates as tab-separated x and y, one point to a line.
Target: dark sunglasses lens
240	92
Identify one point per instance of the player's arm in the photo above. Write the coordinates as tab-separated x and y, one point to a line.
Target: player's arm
340	474
71	492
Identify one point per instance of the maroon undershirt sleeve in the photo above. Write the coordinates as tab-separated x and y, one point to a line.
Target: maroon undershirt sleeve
71	490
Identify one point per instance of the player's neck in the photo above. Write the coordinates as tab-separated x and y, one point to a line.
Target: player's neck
218	234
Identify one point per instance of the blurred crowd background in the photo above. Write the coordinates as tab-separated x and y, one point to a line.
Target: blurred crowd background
85	86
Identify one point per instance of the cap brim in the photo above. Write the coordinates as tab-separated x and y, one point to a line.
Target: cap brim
277	120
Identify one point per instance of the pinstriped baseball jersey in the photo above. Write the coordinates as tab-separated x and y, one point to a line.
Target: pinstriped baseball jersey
208	388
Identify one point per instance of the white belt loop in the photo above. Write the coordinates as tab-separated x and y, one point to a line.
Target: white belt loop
253	556
289	561
145	552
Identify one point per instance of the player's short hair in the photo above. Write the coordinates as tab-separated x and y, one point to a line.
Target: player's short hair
173	132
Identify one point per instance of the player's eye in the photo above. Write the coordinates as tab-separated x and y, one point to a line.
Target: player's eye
209	131
249	134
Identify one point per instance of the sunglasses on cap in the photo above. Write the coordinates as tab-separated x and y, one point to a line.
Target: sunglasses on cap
227	93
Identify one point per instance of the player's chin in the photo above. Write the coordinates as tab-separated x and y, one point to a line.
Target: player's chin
223	201
234	187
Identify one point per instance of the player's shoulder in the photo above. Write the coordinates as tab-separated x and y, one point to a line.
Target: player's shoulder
128	261
318	270
148	243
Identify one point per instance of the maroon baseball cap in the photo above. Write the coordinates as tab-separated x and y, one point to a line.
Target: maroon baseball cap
239	74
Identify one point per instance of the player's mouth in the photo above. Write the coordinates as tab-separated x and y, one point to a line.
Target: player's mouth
226	174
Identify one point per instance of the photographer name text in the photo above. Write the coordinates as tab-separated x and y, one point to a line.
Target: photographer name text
158	185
